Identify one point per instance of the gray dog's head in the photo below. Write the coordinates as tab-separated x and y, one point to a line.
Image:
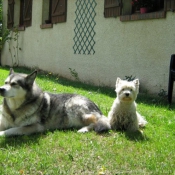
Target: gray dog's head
16	84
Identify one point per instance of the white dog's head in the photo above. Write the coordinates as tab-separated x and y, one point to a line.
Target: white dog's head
127	90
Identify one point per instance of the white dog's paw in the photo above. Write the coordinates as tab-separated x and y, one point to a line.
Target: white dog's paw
83	130
2	133
142	122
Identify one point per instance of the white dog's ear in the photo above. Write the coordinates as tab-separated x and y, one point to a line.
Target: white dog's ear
136	82
11	71
31	78
117	82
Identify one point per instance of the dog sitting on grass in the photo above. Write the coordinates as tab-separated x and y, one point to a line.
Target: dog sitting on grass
123	114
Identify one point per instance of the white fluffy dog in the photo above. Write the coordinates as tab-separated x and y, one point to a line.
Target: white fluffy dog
123	114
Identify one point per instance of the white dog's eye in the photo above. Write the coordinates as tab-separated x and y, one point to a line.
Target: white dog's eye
6	82
131	90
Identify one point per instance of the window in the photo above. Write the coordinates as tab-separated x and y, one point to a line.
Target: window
46	16
25	13
10	20
127	12
112	8
54	11
169	5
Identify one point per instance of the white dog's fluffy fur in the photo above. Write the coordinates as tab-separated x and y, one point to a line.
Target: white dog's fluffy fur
123	114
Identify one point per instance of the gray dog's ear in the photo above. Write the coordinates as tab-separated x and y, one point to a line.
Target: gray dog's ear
11	71
31	78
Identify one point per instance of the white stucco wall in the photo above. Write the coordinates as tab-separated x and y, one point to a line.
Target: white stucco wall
139	48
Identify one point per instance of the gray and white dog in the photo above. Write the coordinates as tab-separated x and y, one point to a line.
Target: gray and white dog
27	109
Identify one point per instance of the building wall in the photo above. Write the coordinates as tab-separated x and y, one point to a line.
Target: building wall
138	48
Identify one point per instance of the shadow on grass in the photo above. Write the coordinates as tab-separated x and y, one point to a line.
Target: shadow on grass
133	136
18	141
136	136
66	82
152	100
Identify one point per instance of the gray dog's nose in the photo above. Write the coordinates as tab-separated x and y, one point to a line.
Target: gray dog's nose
2	90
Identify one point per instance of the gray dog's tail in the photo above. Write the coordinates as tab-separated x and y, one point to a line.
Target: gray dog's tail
102	124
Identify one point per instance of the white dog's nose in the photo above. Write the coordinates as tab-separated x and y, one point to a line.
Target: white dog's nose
127	94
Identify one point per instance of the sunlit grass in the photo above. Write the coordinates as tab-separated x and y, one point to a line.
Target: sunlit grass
69	152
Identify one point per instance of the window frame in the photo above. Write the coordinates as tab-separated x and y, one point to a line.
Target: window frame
169	5
25	18
10	14
57	13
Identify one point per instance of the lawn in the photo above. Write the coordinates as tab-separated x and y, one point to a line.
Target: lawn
111	153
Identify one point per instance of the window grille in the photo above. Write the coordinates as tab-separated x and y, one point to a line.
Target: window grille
84	27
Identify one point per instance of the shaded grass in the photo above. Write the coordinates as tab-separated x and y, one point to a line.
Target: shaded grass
69	152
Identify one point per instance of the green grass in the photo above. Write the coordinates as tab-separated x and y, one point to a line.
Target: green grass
69	152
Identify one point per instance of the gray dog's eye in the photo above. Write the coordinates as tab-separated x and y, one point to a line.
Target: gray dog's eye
13	84
131	90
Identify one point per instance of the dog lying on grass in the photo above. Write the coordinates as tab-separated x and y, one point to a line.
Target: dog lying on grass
27	109
123	114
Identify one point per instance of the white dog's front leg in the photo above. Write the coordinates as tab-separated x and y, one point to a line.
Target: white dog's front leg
24	130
